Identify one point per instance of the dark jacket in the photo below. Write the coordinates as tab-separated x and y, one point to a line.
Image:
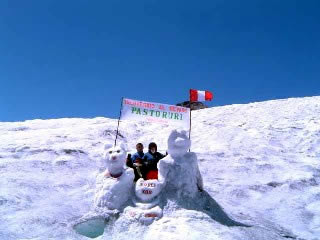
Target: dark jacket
150	160
139	171
137	155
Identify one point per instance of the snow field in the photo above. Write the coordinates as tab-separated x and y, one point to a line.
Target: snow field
259	162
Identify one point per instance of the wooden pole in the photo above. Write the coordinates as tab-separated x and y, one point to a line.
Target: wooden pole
115	141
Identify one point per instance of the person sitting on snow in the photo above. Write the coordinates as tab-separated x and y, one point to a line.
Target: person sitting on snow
136	162
150	160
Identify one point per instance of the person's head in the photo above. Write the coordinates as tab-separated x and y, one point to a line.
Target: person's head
152	147
139	147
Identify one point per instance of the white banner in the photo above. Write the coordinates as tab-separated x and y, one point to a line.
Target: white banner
155	113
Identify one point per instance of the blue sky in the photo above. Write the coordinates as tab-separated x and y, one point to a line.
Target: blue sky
78	58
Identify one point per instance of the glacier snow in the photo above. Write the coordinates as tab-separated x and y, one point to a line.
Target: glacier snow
259	163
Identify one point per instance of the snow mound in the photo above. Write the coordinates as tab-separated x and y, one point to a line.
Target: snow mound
259	163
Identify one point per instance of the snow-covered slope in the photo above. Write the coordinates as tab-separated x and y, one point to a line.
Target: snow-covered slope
259	162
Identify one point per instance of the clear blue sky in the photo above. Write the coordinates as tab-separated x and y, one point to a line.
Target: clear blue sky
78	58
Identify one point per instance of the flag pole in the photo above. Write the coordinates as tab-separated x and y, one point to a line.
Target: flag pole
115	141
190	129
190	118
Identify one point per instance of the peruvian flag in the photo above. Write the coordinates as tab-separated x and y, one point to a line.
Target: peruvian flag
199	96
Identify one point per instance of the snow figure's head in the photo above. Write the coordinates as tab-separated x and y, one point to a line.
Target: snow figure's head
178	143
115	157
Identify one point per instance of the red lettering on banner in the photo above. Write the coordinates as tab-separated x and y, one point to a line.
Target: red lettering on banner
147	105
139	104
177	109
161	107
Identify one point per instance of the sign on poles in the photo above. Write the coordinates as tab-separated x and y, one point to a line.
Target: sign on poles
155	113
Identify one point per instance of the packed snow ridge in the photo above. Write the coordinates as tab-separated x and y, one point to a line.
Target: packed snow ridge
259	164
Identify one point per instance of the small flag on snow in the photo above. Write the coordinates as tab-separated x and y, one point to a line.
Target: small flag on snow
199	96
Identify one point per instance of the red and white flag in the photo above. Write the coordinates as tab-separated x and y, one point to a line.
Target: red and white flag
199	96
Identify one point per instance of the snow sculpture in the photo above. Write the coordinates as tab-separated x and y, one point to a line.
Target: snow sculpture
178	171
147	190
113	189
146	202
114	186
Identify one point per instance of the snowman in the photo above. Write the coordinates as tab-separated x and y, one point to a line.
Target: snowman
178	171
146	202
114	186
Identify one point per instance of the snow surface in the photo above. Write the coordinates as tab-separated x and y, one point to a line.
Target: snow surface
259	162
